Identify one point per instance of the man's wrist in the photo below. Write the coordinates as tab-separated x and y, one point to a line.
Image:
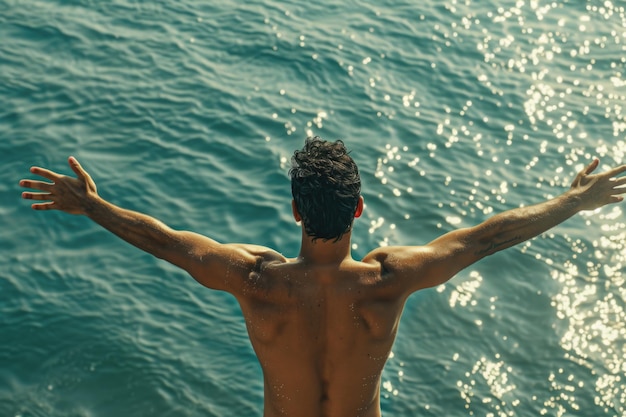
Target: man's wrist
93	206
573	198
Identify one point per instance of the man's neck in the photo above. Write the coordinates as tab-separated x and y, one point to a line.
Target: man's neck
325	252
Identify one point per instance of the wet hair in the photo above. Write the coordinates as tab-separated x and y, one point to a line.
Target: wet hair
326	186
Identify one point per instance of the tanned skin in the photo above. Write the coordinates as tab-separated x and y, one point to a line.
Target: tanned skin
322	324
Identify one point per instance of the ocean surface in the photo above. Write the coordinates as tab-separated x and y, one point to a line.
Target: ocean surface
190	111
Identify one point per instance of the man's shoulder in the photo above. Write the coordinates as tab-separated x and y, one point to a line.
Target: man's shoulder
387	256
257	254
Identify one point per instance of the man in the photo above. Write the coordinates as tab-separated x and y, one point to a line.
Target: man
323	324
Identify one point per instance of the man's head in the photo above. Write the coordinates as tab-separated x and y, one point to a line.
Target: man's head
326	188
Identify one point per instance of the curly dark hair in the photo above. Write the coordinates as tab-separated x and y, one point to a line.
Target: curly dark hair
326	187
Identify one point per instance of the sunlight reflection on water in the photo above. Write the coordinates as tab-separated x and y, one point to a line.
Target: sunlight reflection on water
552	52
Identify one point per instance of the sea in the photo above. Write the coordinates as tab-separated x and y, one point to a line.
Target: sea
190	111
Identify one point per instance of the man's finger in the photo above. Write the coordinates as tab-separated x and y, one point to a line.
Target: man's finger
618	190
36	196
616	171
618	181
46	173
592	166
43	206
37	185
78	170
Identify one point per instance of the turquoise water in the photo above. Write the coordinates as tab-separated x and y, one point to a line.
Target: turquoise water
190	110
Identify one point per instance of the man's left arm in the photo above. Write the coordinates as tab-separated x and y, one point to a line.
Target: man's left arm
215	265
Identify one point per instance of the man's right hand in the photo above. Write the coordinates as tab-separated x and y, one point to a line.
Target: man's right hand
71	195
597	190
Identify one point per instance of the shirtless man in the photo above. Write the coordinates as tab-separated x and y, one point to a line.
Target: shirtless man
322	324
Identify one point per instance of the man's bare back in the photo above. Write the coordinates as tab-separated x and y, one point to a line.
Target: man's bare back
322	324
322	335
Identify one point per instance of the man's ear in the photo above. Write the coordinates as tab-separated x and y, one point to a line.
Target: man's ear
359	207
294	210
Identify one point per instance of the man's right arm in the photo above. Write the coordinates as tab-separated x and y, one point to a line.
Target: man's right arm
417	267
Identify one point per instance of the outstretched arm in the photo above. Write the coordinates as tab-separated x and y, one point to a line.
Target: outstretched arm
438	261
212	264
